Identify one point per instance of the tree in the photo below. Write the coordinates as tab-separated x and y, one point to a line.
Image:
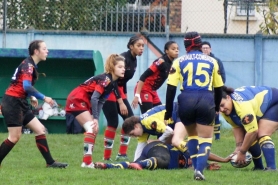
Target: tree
58	14
270	24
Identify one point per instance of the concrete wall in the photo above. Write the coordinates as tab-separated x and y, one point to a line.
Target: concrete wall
248	60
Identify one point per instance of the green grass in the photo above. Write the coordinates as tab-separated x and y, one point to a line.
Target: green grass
25	165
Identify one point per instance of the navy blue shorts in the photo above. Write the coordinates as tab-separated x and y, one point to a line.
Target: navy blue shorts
158	150
196	107
272	112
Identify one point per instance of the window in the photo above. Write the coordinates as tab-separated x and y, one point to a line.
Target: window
242	6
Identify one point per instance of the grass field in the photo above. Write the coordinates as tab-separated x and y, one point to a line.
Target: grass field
25	165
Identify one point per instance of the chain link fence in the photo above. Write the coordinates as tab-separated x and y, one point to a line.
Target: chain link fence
157	16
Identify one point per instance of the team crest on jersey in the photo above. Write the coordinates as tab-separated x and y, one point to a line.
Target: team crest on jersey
83	104
154	125
159	61
105	82
146	96
247	119
172	70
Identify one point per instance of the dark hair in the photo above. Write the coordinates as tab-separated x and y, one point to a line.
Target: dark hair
133	40
35	44
192	40
227	91
168	44
129	124
206	43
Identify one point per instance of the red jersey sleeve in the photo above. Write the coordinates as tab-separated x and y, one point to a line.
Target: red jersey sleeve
156	65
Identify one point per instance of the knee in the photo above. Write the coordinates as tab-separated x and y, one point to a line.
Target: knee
40	130
91	127
14	138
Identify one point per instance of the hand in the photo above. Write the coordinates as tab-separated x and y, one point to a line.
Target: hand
240	158
213	166
136	100
228	158
48	100
123	109
95	126
34	101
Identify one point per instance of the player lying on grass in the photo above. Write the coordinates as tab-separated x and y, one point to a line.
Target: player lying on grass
157	155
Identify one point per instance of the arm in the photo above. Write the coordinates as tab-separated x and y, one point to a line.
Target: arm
122	106
167	133
31	91
216	158
170	96
100	104
222	70
248	140
94	103
239	133
140	84
217	97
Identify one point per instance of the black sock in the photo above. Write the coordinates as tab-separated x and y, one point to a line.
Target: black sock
5	148
43	147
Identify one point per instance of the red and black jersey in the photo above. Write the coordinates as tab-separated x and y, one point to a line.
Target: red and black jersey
160	69
130	68
25	71
101	83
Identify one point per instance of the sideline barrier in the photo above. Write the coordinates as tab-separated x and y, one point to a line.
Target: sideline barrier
64	70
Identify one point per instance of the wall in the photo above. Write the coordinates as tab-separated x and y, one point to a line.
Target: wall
247	60
208	17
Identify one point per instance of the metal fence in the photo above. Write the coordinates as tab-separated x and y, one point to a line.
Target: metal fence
157	16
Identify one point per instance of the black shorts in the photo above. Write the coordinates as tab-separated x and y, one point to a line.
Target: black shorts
16	111
196	107
158	150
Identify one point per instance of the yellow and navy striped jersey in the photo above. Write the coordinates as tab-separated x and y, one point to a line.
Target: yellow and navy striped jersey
195	71
250	104
152	122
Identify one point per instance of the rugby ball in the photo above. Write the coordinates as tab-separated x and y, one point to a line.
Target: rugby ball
248	160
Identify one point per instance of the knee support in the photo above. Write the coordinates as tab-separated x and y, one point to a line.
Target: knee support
266	142
89	126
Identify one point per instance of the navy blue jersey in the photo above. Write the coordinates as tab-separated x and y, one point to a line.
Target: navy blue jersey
178	159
